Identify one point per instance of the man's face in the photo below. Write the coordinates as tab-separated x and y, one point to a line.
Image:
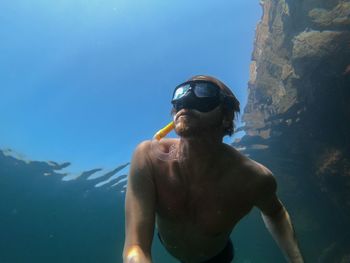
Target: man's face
193	123
197	107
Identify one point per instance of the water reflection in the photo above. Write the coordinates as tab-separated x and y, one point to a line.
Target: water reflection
101	177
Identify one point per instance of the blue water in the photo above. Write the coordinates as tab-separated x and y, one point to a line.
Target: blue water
46	219
82	83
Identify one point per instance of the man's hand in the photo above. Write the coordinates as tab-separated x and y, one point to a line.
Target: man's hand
134	254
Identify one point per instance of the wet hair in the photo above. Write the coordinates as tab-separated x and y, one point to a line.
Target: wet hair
230	105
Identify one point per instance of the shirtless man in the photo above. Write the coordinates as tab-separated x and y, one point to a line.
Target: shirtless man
196	199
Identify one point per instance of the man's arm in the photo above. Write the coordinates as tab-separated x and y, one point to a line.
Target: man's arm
139	208
276	218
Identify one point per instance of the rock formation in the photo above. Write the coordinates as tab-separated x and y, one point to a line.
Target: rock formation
297	119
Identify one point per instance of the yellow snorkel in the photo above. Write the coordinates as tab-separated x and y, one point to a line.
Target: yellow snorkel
163	150
164	131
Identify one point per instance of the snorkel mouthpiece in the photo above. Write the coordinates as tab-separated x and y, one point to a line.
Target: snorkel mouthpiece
164	131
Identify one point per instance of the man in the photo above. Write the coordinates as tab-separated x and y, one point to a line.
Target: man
196	199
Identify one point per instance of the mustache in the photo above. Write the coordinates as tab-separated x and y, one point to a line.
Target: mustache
183	112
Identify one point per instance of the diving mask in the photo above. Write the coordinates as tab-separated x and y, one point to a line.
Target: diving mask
200	95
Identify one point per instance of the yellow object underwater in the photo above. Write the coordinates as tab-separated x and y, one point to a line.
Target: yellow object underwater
164	131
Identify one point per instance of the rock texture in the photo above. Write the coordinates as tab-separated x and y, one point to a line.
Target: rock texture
297	119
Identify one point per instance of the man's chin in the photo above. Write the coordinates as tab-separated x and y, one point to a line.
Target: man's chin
186	131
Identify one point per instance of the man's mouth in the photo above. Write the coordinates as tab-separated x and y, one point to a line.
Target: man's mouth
185	112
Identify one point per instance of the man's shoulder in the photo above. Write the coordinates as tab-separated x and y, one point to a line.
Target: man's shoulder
257	168
233	153
144	145
245	163
142	152
251	166
262	179
151	149
251	169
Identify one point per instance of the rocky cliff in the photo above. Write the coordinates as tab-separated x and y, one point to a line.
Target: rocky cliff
297	119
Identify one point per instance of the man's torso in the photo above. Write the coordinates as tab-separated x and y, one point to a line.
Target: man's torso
195	219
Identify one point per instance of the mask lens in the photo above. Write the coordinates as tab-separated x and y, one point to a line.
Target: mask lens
181	91
205	96
205	90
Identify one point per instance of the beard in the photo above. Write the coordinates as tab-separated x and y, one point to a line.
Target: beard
184	130
193	128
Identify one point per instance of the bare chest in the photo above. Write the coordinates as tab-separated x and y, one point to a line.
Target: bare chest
213	207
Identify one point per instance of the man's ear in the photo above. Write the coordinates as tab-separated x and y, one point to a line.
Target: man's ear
227	114
226	121
227	118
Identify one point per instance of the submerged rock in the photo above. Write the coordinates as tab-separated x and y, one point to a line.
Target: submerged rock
298	106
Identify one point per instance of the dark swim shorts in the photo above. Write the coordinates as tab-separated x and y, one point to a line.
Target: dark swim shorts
225	256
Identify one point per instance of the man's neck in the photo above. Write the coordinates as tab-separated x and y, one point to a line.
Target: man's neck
197	154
